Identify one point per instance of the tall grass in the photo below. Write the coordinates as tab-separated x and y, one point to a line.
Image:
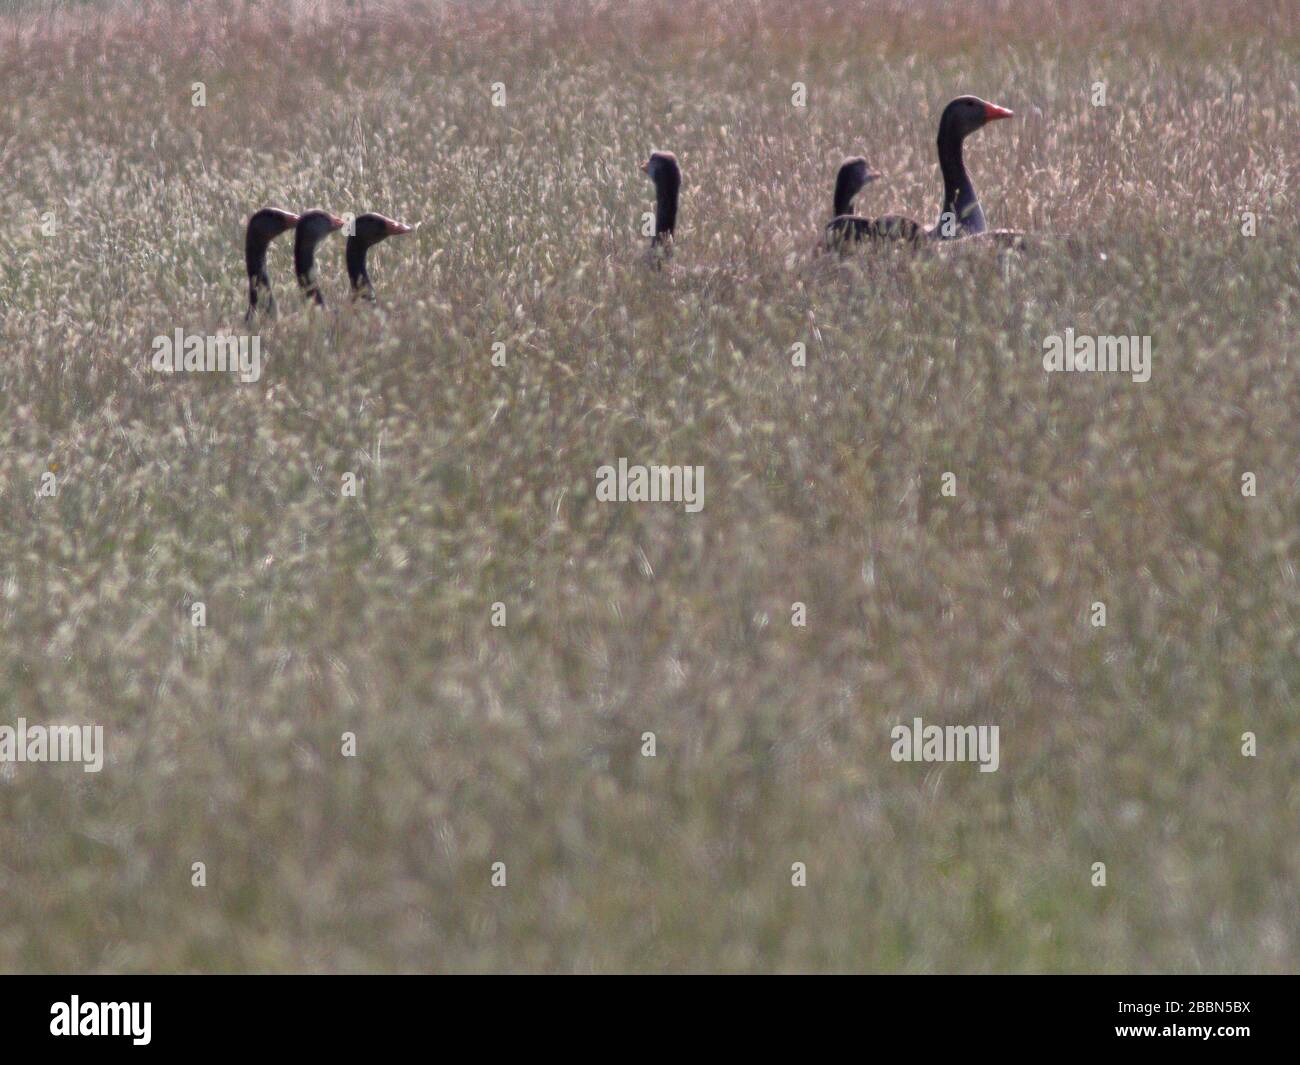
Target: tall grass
522	744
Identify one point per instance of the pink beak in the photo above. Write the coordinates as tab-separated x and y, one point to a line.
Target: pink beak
395	228
993	111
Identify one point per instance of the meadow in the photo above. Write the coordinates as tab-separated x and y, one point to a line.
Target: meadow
522	743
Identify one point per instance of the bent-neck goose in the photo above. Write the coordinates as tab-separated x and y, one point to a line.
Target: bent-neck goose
663	170
312	228
263	227
845	227
367	231
845	230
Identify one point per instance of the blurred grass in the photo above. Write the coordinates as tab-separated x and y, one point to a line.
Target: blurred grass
522	744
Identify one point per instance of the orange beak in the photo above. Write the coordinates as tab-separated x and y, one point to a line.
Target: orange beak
645	167
993	111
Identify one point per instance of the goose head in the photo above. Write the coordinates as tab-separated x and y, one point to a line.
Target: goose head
263	227
270	222
964	115
661	166
315	226
853	176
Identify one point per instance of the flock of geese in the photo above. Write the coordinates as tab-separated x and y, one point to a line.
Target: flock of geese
960	217
310	228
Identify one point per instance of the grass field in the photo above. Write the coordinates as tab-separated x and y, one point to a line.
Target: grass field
522	744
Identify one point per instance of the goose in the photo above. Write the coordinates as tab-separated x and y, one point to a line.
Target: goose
961	214
845	230
312	228
263	227
367	231
662	169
